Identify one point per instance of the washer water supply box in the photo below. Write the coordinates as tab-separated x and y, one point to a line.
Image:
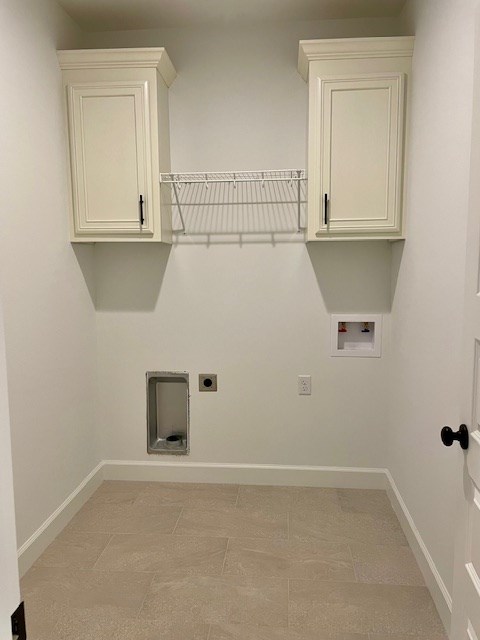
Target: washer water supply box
356	335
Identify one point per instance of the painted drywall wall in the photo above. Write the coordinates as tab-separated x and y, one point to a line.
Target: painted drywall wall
9	587
428	301
49	315
253	308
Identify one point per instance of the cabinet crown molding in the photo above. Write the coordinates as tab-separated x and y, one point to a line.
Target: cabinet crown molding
147	57
344	48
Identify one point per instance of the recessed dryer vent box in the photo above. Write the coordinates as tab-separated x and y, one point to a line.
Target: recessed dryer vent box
356	335
168	412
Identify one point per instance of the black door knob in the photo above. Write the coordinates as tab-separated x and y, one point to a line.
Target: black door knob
448	436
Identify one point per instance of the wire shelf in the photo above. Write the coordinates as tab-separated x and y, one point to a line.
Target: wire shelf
274	193
269	175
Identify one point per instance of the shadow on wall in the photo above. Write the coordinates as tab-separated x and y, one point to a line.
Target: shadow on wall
129	276
353	277
85	254
397	255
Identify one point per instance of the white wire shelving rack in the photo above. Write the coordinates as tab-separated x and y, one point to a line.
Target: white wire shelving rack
291	187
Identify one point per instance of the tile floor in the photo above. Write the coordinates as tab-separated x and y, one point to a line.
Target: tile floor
157	561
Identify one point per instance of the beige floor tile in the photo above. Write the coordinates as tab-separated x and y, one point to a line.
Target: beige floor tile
396	636
40	617
74	549
87	627
125	518
289	559
129	530
122	486
118	492
346	528
248	632
283	499
361	608
364	501
195	496
257	601
86	591
231	522
387	564
166	554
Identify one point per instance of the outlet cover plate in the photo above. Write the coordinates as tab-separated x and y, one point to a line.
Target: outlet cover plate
304	385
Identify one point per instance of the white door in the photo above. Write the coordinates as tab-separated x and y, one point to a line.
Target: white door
111	158
9	584
361	152
466	591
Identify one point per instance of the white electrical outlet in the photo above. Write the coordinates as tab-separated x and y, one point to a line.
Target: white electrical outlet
304	385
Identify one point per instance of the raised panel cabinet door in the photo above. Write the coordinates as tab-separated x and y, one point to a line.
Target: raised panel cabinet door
359	153
111	158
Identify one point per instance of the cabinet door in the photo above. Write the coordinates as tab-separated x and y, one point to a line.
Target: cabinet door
111	158
358	155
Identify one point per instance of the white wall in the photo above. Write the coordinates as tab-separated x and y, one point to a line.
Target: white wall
256	309
9	587
428	303
253	311
49	316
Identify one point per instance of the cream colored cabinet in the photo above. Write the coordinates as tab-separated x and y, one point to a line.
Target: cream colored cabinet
118	131
356	137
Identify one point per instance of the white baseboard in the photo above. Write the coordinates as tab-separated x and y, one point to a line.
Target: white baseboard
49	530
228	473
433	579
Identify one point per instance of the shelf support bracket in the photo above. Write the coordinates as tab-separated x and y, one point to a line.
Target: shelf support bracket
175	190
299	202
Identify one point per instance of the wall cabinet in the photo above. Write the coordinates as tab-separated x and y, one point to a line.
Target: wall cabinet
118	131
356	136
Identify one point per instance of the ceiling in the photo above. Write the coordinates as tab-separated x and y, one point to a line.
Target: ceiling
112	15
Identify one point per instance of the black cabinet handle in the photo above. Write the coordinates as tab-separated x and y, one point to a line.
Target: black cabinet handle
325	209
142	219
448	436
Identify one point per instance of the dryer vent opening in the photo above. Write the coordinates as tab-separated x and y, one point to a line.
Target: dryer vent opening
168	414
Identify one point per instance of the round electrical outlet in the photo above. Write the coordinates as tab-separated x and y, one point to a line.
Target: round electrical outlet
207	382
